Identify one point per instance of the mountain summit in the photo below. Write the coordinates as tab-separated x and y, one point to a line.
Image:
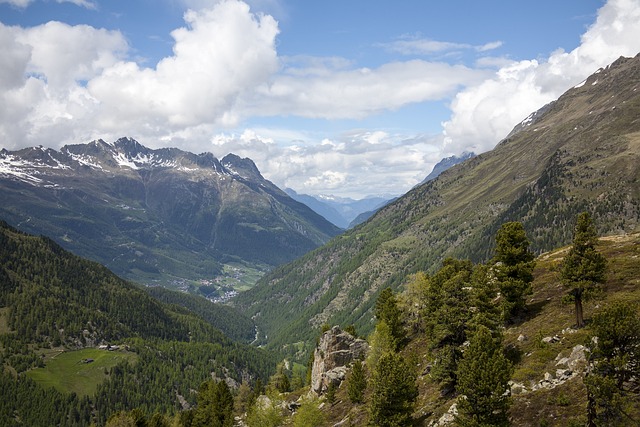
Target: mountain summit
162	214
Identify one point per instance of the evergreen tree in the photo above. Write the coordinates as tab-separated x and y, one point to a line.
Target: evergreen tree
483	378
583	268
447	313
614	372
484	292
244	398
280	380
380	343
356	383
447	303
394	392
388	311
215	405
513	267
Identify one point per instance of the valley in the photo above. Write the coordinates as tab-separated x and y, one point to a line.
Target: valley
217	288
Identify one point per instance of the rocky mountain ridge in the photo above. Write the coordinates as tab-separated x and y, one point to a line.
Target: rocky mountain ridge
156	215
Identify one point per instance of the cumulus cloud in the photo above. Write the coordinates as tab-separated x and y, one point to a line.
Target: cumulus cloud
69	83
223	52
484	114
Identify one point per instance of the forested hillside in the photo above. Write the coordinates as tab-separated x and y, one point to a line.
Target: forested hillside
231	322
472	344
53	303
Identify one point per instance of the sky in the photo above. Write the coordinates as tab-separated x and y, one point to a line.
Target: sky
348	98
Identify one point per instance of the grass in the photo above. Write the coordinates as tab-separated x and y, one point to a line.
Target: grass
68	371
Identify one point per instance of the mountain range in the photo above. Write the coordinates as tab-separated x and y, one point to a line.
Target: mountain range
340	211
159	216
346	212
580	153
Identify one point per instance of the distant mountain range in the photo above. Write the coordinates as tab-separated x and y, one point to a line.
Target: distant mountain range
156	215
346	213
580	153
340	211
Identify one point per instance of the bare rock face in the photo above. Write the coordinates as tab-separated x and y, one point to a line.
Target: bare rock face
336	350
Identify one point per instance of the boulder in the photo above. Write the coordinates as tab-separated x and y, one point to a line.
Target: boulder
335	352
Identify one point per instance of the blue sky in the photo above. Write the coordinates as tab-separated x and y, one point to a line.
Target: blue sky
349	98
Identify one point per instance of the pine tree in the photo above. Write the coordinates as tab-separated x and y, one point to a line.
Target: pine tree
356	383
394	392
215	405
388	311
513	267
447	315
614	369
583	268
483	378
484	292
280	380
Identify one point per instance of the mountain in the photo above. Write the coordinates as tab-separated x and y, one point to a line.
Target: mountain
156	215
580	154
329	212
340	211
445	164
440	167
368	214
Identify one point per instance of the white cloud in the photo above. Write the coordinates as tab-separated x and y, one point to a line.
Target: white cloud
486	113
415	45
81	3
223	52
18	3
68	83
22	4
356	93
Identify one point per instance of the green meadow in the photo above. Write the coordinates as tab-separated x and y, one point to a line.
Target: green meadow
69	371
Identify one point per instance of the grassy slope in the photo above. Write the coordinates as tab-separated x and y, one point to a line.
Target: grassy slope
68	372
547	315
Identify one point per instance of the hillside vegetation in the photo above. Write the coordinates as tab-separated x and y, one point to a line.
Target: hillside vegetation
446	352
580	153
57	308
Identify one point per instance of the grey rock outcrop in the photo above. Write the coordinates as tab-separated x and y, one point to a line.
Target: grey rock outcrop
335	352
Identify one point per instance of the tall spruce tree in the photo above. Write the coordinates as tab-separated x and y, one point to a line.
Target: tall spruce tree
513	267
356	383
388	311
447	314
483	378
393	393
215	405
583	268
613	377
